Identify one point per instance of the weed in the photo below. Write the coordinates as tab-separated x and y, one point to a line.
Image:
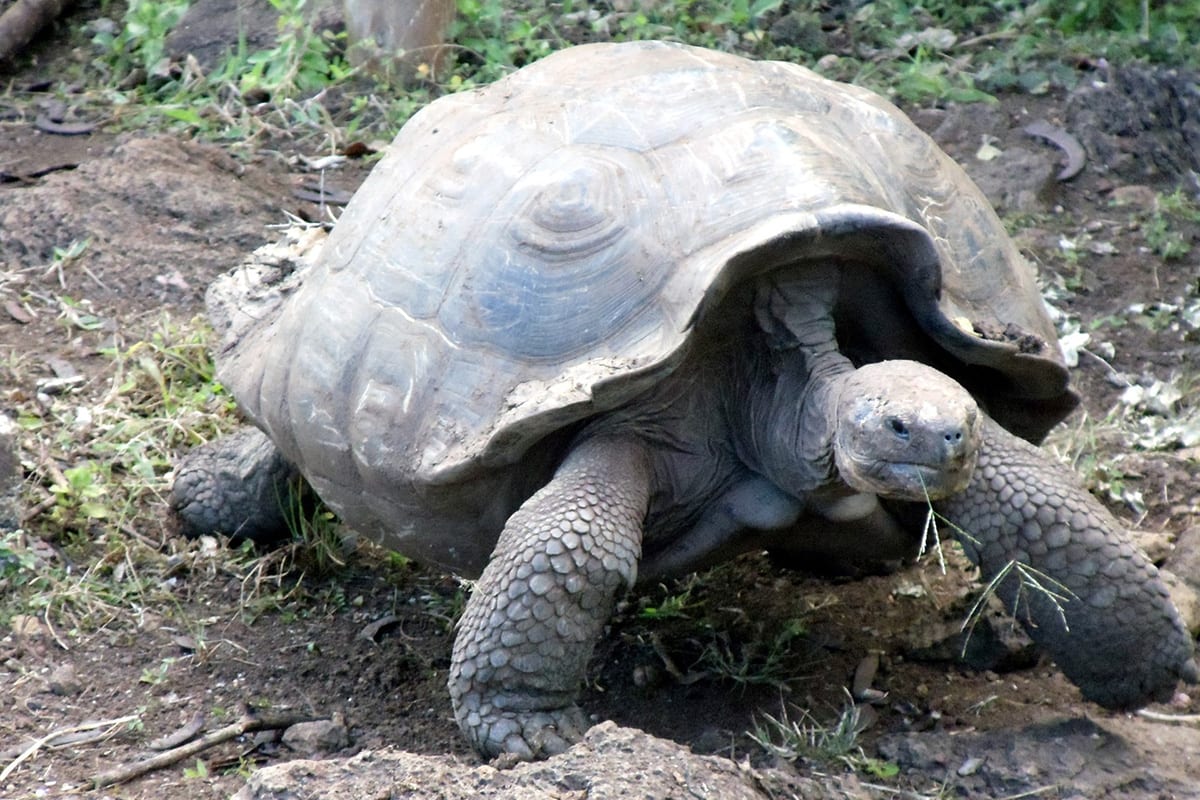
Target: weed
1029	580
138	46
806	738
302	60
446	607
672	606
755	662
81	494
317	545
155	676
492	40
742	13
65	257
1161	228
19	565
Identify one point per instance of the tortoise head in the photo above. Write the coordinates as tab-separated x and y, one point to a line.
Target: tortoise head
905	431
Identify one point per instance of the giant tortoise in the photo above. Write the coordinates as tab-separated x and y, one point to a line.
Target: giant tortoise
640	307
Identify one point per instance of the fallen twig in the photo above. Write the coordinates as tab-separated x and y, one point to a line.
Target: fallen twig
185	734
247	724
49	738
1175	719
1060	138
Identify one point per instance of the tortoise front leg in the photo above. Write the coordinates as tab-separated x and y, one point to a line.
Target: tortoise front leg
1114	631
542	602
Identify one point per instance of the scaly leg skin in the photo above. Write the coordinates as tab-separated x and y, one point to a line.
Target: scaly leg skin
1123	644
238	485
542	602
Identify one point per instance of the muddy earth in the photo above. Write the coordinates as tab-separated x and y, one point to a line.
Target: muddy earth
358	654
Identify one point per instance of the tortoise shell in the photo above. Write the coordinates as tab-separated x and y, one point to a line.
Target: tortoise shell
542	250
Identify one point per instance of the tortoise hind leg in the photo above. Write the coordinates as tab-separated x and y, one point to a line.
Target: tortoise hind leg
1112	628
542	602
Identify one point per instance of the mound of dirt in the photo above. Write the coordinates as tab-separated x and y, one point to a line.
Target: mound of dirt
155	218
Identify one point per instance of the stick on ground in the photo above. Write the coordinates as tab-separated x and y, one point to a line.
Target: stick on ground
247	724
49	738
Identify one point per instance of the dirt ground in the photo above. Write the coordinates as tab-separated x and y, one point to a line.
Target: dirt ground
370	644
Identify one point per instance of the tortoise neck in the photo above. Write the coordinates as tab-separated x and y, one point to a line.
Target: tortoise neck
785	418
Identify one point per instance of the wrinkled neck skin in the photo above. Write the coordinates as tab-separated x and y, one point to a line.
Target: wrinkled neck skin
784	417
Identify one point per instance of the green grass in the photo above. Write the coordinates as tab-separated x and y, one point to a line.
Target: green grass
804	738
302	87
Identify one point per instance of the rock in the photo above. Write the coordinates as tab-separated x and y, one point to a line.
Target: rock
64	682
1076	757
611	762
318	736
993	643
1185	597
1184	560
1155	544
1019	180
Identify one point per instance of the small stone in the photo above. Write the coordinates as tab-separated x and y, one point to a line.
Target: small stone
1184	560
27	626
969	766
318	736
63	681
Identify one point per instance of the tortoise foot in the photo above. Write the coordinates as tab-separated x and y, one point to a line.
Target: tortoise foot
524	736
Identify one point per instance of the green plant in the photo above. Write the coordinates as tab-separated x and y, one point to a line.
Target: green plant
317	545
925	75
806	738
18	562
1161	228
301	61
64	257
80	495
158	674
755	661
672	605
493	39
1029	580
740	13
139	44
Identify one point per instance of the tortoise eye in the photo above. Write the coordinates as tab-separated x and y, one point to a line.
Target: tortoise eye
898	427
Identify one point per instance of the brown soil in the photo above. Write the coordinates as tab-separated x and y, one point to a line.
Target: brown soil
164	215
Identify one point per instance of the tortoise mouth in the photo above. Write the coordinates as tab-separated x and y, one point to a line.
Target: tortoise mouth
908	480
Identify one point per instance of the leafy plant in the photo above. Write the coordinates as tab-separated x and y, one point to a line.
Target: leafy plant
301	61
158	674
80	495
1162	228
140	42
18	563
